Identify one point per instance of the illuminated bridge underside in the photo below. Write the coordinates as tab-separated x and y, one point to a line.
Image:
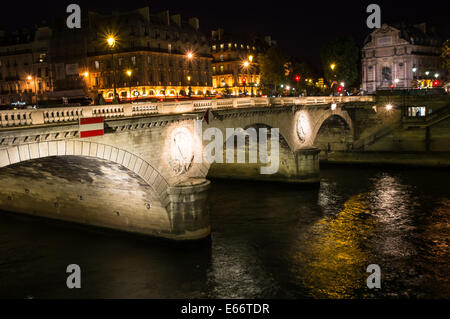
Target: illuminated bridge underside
155	141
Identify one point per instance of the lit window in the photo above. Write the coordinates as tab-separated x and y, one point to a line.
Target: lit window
133	60
221	68
229	45
97	65
214	47
221	46
221	58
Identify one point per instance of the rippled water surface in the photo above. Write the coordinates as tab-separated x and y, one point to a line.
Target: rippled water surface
268	240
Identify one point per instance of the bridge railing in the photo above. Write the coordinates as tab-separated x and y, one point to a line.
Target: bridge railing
74	113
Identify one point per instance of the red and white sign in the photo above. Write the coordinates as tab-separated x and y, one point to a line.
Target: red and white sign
91	126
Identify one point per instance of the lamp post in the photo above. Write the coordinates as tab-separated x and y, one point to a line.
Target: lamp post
129	73
189	88
189	57
111	43
246	65
29	78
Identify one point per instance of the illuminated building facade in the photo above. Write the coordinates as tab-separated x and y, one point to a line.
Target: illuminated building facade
401	57
235	69
158	55
24	69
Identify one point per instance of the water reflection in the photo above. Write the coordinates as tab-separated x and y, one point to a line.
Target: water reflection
333	257
268	241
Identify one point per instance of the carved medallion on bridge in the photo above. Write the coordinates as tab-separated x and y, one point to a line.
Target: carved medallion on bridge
301	127
181	150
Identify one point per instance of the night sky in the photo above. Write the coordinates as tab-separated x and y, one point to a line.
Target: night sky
300	27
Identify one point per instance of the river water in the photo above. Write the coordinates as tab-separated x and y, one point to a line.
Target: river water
267	241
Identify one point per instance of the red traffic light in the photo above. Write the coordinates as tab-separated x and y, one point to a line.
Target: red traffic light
340	88
244	80
435	83
297	78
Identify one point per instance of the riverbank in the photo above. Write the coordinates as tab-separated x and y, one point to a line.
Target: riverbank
410	159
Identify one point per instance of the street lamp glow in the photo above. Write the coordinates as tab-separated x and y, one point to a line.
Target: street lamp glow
282	85
332	66
396	80
111	41
342	84
189	55
288	87
414	70
86	74
389	107
333	106
436	75
250	58
189	78
427	72
129	72
246	64
29	78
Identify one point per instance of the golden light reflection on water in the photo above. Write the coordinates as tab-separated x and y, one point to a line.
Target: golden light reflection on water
334	259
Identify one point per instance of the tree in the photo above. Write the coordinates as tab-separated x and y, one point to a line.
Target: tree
340	60
271	64
445	55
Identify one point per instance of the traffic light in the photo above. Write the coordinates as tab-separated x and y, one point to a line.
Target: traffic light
297	78
435	83
340	88
244	80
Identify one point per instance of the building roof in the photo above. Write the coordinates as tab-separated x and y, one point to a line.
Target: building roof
419	34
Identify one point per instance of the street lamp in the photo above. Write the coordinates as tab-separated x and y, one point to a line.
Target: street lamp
29	78
129	73
332	66
189	89
246	65
111	41
189	56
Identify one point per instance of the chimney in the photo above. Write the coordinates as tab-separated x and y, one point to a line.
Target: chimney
422	27
164	16
176	19
194	23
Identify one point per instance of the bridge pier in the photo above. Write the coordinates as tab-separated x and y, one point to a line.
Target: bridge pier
189	215
307	165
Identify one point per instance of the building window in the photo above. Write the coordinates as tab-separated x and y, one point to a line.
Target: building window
133	60
221	46
221	57
386	74
97	65
418	111
221	68
214	48
169	48
214	70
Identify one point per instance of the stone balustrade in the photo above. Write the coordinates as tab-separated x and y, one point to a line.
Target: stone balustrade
30	117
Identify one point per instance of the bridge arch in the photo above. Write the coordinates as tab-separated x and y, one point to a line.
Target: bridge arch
324	115
285	149
24	152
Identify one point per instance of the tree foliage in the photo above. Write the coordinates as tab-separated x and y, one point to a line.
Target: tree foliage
344	54
445	55
272	68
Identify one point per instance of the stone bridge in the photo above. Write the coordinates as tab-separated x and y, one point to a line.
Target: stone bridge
156	141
